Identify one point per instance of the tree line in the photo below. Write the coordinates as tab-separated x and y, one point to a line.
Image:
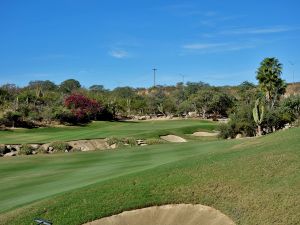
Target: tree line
252	109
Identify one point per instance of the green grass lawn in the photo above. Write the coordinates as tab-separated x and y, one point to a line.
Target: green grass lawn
254	181
101	129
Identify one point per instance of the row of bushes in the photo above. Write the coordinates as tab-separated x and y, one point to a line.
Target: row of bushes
241	121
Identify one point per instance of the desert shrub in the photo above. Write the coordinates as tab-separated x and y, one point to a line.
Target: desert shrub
122	141
42	150
130	141
113	140
276	119
3	149
240	122
25	150
225	131
60	146
154	141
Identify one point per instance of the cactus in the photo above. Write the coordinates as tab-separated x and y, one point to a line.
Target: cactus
258	115
160	108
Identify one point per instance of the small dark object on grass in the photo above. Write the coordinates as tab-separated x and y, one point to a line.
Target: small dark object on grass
42	222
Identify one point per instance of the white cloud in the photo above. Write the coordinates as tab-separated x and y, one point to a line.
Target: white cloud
200	46
266	30
118	53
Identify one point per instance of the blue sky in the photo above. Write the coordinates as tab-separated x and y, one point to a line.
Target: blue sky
118	42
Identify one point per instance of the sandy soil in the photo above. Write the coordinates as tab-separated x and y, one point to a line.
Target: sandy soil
205	134
181	214
173	138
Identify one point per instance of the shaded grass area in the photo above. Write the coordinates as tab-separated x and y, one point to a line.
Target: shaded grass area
103	129
254	181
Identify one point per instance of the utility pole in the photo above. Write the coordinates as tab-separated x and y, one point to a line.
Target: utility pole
154	76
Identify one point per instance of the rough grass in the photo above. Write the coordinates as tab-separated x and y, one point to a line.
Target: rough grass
254	181
101	129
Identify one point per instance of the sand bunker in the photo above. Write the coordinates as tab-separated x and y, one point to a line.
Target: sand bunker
181	214
205	134
173	138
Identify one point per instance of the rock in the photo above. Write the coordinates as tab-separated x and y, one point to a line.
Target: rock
238	136
192	114
50	149
113	146
142	118
15	147
34	152
14	153
173	138
140	142
143	144
45	147
89	145
35	146
66	151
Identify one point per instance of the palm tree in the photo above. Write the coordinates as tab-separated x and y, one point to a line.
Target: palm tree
269	78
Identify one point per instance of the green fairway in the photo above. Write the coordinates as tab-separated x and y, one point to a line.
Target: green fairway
254	181
100	129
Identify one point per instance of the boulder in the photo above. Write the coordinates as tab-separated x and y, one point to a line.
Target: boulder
45	147
35	146
238	136
13	153
173	138
192	114
15	147
89	145
113	146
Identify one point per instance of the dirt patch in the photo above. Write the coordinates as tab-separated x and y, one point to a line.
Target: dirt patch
205	134
181	214
173	138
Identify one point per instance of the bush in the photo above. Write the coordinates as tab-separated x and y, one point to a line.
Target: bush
60	146
42	150
240	122
25	150
130	141
154	141
226	131
121	141
113	140
3	149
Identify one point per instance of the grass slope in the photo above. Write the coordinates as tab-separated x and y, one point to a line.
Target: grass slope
254	181
101	129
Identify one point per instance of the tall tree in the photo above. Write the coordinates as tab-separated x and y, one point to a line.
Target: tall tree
69	85
269	78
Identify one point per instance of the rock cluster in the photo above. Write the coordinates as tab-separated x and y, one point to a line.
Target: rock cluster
7	150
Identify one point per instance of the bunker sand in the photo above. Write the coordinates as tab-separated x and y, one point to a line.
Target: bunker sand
181	214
